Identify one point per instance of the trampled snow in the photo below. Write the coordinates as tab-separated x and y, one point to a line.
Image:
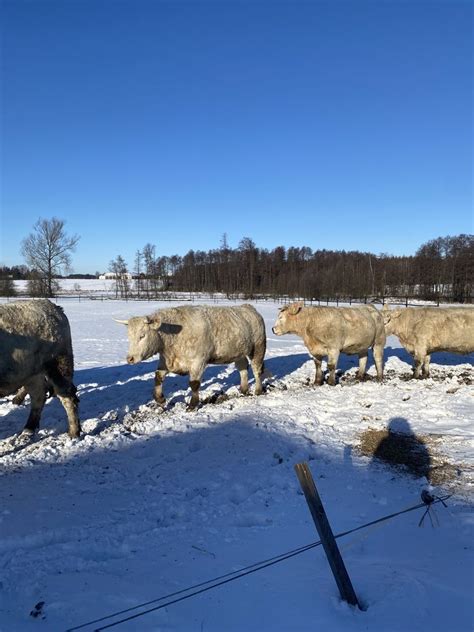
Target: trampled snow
151	501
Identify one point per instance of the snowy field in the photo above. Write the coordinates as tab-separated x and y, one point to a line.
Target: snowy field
149	502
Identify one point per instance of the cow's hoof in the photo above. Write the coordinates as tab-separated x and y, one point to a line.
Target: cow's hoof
27	432
154	405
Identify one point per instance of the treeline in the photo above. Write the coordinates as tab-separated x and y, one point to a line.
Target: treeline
441	269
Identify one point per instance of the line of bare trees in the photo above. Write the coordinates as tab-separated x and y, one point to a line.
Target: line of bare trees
441	269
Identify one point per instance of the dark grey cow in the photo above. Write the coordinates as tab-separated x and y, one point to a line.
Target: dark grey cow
36	354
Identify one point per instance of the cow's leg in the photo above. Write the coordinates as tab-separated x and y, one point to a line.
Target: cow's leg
195	386
22	393
419	361
71	405
258	367
20	396
195	375
378	359
426	365
362	365
37	392
333	357
243	368
66	392
158	388
319	377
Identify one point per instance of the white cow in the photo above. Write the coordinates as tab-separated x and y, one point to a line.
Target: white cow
328	331
423	330
190	337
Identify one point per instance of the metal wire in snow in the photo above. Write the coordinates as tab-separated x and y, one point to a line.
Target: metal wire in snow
270	560
221	580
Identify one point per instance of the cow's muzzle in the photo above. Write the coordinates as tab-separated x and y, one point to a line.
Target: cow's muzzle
130	359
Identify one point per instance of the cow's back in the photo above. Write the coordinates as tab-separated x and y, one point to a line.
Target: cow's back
439	328
210	334
234	332
363	326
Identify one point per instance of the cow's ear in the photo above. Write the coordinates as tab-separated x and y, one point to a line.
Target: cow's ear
154	323
295	308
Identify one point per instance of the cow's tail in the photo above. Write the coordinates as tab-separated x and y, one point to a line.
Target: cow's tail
59	372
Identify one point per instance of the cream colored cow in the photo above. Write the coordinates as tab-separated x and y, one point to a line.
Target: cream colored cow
423	330
190	337
328	331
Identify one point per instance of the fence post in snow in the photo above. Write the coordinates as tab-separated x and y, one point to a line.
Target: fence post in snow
325	534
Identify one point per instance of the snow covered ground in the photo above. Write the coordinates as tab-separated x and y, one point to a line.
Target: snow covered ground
149	502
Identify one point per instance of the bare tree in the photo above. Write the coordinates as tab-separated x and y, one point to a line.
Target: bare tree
248	264
149	259
138	271
119	267
47	250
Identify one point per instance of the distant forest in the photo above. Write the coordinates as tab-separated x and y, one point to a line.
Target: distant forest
441	269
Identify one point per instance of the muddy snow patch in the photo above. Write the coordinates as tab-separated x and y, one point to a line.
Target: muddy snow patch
418	455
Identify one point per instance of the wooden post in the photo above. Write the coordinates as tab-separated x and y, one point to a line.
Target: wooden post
325	534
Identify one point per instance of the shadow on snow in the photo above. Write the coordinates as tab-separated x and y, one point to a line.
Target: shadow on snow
176	507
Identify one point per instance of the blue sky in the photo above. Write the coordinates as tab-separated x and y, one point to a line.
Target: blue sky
338	125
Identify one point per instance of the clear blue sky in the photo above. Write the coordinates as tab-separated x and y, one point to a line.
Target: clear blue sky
338	125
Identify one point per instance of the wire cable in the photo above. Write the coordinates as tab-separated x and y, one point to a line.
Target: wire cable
229	577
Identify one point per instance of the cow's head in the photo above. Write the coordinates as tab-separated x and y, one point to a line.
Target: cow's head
389	318
286	318
142	337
